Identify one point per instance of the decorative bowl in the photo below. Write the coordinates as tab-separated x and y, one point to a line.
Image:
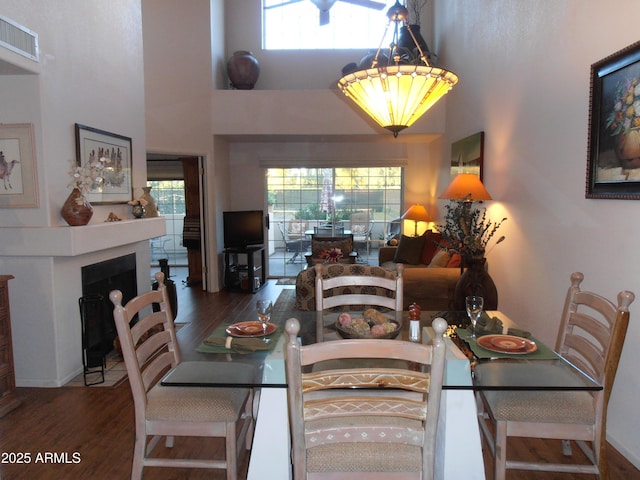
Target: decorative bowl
345	332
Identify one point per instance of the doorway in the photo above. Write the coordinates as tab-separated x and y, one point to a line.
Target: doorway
361	200
177	188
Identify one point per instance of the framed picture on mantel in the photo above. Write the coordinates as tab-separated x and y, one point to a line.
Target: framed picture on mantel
113	151
18	178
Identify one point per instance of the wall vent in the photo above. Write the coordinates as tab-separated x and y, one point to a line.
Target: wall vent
18	39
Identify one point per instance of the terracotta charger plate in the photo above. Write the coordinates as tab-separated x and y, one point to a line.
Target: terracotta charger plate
250	329
507	344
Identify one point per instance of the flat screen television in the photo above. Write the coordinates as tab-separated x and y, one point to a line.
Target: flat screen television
243	228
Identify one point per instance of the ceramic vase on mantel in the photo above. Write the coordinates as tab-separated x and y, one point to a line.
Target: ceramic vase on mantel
138	211
150	208
475	280
76	210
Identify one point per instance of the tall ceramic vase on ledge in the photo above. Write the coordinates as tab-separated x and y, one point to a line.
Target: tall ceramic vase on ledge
243	70
76	210
475	280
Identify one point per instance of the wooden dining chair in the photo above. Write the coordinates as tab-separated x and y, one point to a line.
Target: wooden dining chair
353	289
591	336
368	422
150	349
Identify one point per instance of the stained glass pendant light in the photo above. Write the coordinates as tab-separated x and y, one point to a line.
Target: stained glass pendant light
395	95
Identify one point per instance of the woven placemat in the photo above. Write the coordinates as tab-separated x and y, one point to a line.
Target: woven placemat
238	345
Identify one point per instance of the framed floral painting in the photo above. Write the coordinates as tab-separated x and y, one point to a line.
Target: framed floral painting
112	152
613	158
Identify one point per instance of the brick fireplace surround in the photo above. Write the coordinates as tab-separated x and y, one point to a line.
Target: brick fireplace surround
46	263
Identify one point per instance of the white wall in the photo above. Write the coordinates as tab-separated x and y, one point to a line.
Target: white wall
182	55
90	72
524	72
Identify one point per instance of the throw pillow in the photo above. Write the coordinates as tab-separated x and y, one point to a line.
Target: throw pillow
431	241
409	250
344	244
455	261
440	259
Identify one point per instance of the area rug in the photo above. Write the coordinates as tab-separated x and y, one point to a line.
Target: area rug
115	371
286	300
286	281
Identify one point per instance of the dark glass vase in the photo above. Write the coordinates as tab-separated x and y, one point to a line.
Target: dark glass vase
171	288
475	280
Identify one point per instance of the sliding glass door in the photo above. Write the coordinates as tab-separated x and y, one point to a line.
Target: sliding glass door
363	201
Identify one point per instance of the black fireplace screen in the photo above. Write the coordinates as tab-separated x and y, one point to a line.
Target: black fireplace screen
96	310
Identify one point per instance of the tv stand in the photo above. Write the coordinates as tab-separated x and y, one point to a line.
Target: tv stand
244	268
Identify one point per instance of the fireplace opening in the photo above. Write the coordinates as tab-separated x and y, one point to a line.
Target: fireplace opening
98	327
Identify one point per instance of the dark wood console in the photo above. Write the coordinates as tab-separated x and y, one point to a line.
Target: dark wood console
8	400
244	268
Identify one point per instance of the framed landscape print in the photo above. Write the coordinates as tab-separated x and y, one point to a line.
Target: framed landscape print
113	152
467	155
613	151
18	179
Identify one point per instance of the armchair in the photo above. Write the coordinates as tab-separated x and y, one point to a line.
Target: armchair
323	247
294	238
361	226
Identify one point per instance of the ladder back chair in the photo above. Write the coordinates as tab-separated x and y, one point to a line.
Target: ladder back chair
374	421
150	349
591	336
359	290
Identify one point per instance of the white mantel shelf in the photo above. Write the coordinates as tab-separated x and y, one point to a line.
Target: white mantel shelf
72	241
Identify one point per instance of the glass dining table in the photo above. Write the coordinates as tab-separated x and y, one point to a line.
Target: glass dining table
251	362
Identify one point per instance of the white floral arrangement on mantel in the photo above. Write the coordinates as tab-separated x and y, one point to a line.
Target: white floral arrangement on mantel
85	177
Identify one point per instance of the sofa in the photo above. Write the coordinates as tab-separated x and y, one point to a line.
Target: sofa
430	274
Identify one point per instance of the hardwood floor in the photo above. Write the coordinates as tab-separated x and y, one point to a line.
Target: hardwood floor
91	432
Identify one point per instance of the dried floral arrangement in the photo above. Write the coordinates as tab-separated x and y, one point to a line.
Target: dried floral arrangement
467	230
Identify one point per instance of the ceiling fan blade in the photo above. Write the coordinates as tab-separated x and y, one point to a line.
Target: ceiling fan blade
366	4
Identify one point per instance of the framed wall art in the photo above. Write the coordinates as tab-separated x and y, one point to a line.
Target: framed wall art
18	169
613	151
467	155
113	153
